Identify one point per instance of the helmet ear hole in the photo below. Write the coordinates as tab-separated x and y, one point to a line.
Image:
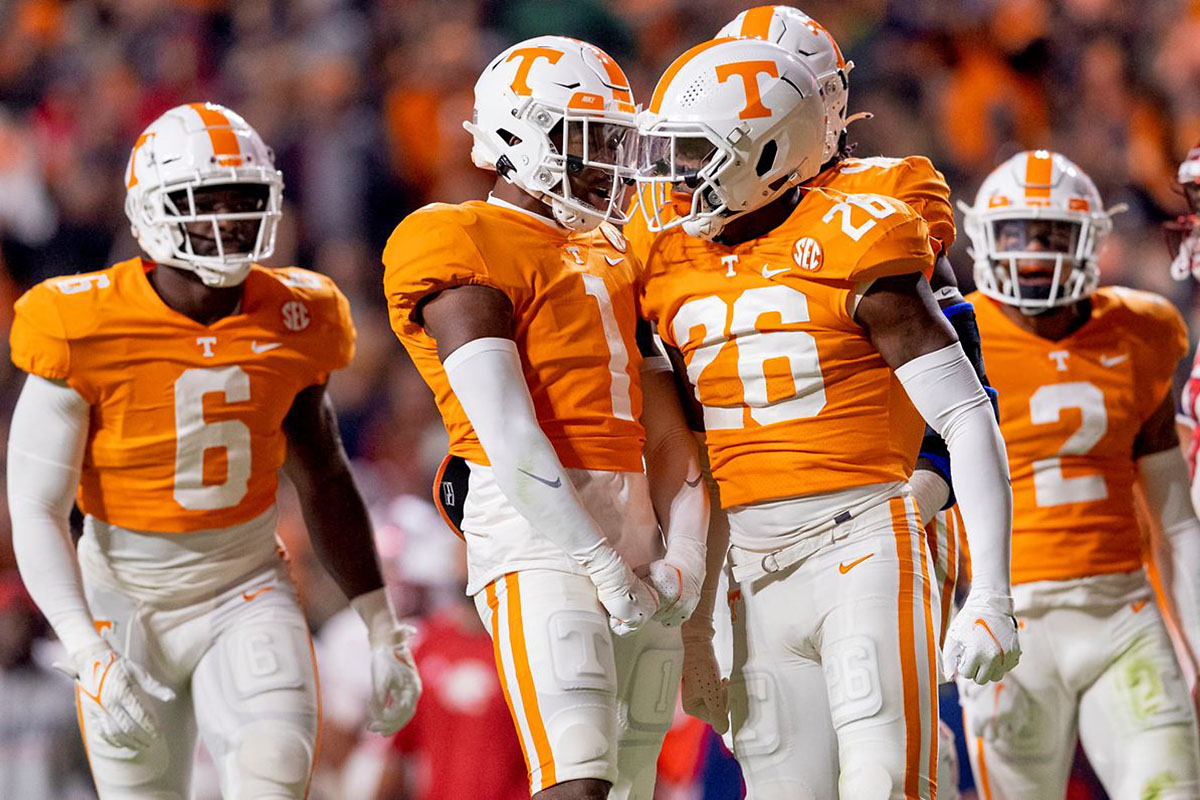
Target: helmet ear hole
766	159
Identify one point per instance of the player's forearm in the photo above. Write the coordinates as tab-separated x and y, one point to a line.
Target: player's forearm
673	466
45	451
700	624
487	379
944	388
340	529
1164	480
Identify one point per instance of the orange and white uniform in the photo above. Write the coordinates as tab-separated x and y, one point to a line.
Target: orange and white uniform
1096	658
574	301
179	559
187	426
811	439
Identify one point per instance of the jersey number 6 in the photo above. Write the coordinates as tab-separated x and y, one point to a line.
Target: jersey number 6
194	437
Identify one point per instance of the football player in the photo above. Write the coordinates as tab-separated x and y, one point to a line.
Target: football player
913	180
521	314
808	332
1084	379
164	395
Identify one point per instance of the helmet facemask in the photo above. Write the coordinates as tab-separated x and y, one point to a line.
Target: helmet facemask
581	167
705	179
1038	261
681	165
595	158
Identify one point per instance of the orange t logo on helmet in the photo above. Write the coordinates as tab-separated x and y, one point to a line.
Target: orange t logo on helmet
749	71
528	56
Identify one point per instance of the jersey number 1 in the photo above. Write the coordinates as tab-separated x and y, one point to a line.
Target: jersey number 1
194	437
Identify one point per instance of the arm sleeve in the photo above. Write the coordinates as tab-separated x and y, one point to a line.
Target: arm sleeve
944	388
45	453
1164	478
933	447
486	376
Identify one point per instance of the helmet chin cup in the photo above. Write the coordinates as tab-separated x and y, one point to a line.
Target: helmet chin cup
707	228
573	218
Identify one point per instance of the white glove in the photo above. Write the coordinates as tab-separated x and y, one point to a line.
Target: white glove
704	692
982	644
1187	260
677	579
112	696
630	603
395	683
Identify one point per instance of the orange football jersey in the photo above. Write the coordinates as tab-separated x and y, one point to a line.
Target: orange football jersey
186	429
796	398
1070	411
574	311
912	180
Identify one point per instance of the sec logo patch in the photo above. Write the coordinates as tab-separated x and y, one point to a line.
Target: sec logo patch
808	254
295	315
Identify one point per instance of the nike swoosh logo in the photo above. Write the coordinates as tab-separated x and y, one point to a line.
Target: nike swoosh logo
1138	605
767	272
557	482
248	596
844	567
112	659
612	262
694	483
1112	361
265	348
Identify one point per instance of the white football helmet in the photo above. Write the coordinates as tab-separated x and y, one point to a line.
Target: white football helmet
190	149
735	121
793	30
1037	207
549	108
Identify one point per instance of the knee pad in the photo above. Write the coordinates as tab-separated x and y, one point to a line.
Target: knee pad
851	668
868	781
271	759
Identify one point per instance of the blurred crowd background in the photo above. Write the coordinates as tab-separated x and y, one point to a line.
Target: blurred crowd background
363	101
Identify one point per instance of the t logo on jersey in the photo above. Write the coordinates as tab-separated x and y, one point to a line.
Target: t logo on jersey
528	56
749	71
808	254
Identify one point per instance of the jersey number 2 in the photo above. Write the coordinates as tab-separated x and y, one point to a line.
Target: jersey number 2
1050	486
194	437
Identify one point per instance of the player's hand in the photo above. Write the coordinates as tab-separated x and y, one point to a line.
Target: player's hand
1187	260
395	682
113	695
676	579
630	603
704	692
982	644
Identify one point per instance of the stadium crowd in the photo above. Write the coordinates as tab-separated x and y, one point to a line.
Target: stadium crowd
363	102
